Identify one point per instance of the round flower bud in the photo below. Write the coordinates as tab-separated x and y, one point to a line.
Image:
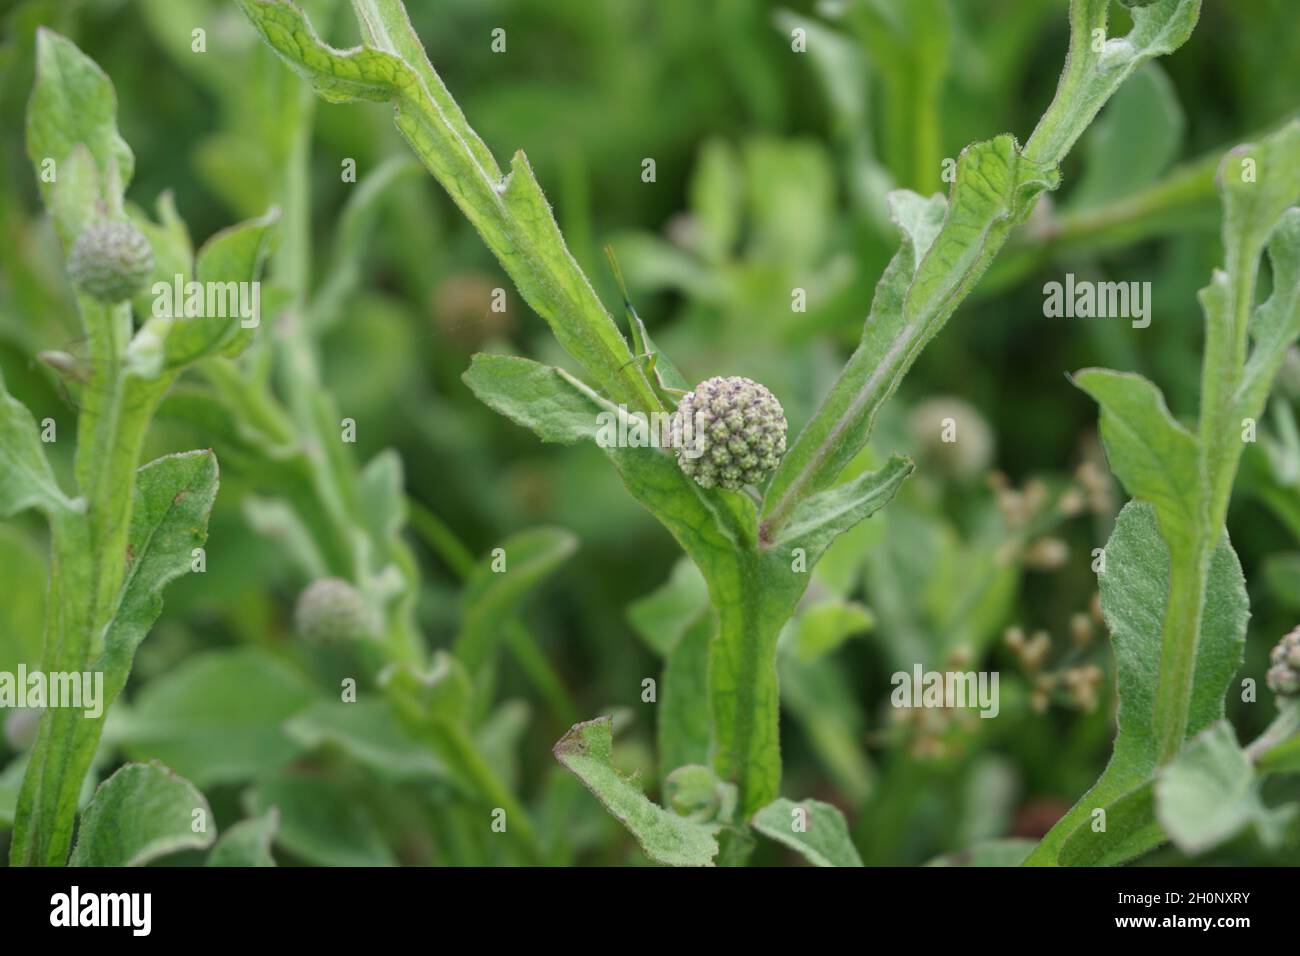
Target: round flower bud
729	432
331	610
111	261
1284	672
951	436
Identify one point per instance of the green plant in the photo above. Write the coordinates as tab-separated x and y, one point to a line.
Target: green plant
128	529
754	557
1170	550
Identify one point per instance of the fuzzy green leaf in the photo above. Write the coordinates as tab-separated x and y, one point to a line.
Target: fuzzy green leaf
1134	595
1153	455
173	498
73	103
666	838
320	822
945	249
1276	323
217	717
367	732
142	812
1093	72
228	262
1210	793
815	829
26	480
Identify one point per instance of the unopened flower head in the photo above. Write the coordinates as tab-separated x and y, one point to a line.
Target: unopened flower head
1284	670
734	430
330	610
111	261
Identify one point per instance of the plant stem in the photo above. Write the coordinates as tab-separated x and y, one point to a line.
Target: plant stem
1179	634
89	565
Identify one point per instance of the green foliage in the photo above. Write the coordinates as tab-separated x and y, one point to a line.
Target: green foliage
665	837
500	585
142	812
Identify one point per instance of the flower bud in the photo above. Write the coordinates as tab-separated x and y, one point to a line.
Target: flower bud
1284	673
729	432
332	610
111	261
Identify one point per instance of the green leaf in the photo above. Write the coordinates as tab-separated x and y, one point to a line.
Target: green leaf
664	615
682	711
1094	72
1134	595
1276	323
510	212
824	627
492	597
173	498
247	843
821	518
228	265
665	837
141	813
367	732
217	717
26	480
815	829
73	103
1131	830
1154	456
946	247
320	822
173	251
434	706
1210	793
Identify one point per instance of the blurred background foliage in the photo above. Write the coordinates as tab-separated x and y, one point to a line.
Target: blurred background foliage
771	168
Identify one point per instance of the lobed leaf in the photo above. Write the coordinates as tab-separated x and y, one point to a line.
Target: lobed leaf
666	838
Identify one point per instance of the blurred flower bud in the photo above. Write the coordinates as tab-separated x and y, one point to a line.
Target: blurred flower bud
1284	673
951	436
331	610
111	261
